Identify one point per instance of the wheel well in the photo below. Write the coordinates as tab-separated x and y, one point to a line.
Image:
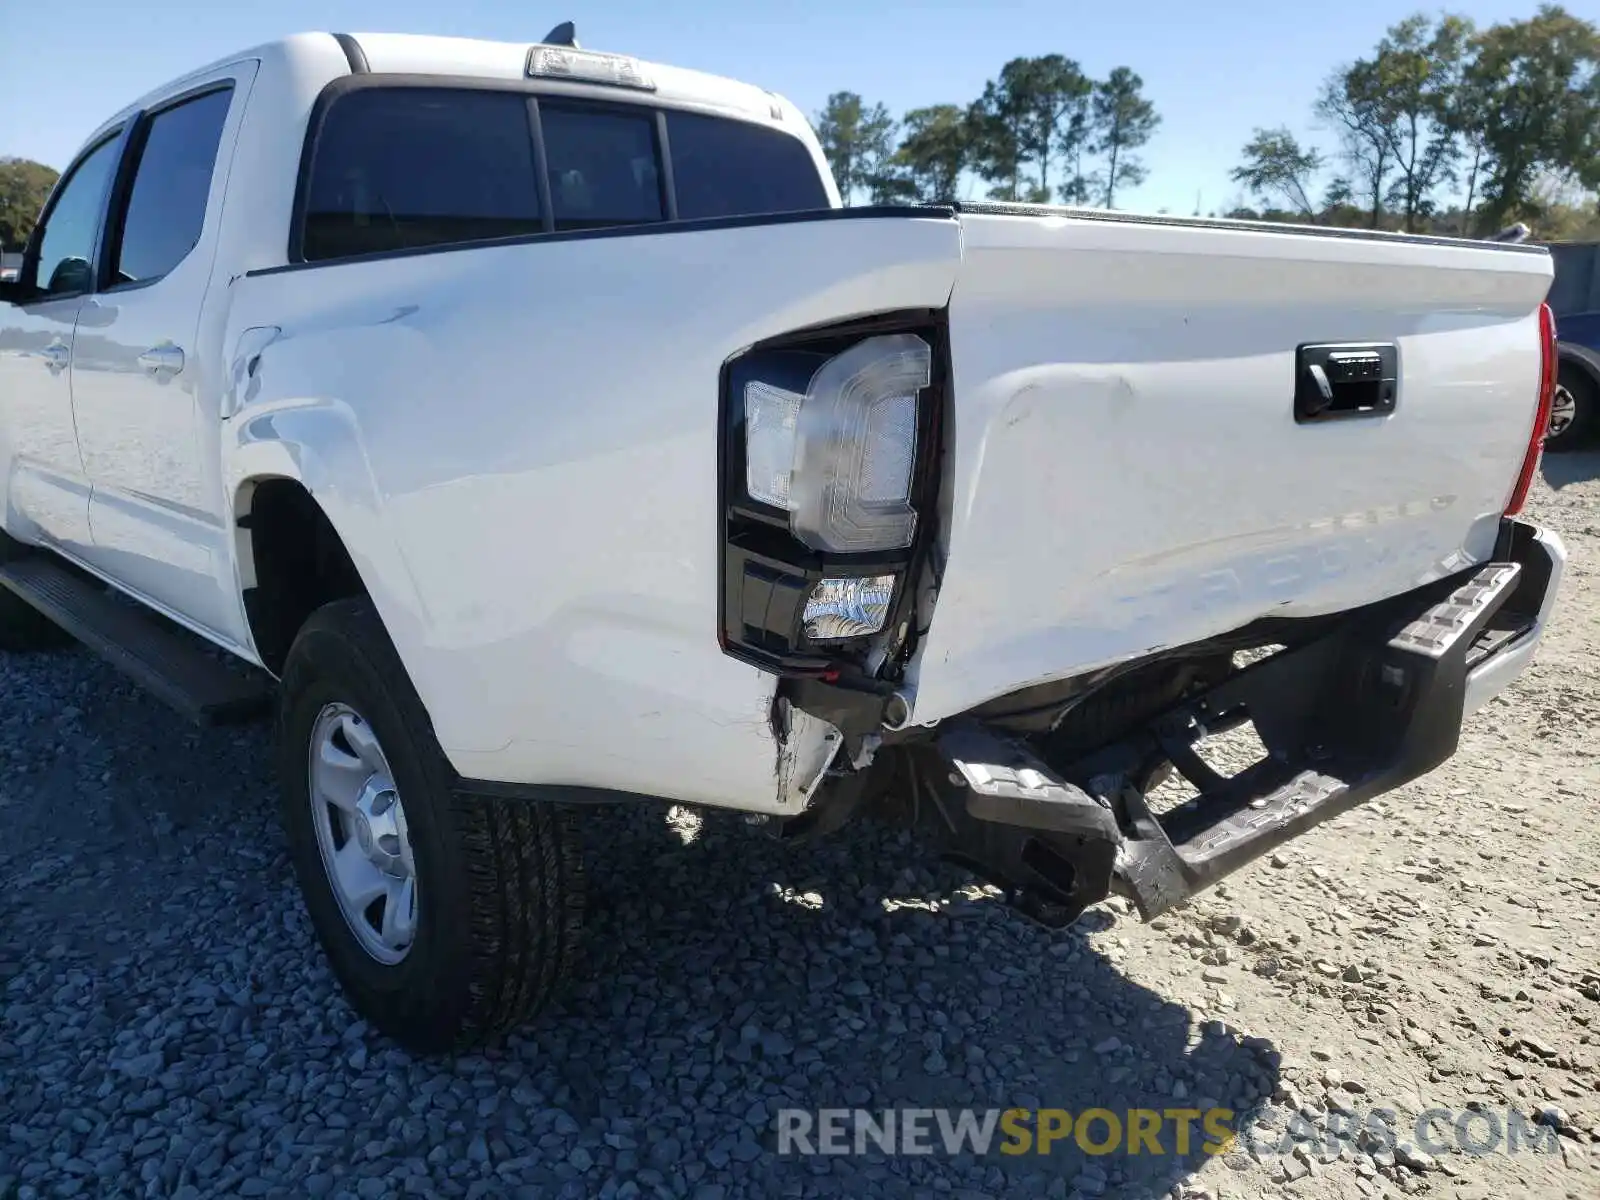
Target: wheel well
298	563
1587	373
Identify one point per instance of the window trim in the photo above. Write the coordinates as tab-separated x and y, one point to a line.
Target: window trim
538	92
28	274
804	216
353	53
541	168
115	217
664	171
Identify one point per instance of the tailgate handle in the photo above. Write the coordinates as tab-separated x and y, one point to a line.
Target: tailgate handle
1335	380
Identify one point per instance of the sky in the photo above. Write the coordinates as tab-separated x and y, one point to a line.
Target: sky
1214	70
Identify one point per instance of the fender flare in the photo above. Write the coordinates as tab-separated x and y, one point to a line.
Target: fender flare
317	444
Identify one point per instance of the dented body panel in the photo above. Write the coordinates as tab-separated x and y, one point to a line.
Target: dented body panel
542	453
1128	474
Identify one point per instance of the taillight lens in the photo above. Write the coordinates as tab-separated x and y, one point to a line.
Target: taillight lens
829	462
1548	367
838	455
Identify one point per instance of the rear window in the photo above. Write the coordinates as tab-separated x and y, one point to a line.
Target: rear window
602	165
732	169
397	168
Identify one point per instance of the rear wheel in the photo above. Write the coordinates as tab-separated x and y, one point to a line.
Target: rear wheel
447	918
1573	410
22	627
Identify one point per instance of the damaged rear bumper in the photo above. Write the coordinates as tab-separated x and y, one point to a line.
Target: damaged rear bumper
1367	706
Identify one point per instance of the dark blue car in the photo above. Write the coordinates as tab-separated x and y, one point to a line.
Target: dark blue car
1575	412
1575	296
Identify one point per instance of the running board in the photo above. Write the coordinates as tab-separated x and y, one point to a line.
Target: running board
172	664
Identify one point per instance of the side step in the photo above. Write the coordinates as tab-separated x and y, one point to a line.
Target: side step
172	664
1343	719
1048	844
1368	705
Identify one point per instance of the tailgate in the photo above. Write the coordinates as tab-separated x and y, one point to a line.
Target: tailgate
1128	473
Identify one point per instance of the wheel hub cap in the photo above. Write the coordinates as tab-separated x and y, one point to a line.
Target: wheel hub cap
1563	408
360	825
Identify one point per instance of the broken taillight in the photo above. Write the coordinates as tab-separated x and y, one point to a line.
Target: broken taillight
1541	417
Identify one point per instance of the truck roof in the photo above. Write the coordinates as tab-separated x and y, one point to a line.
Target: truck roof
470	58
413	53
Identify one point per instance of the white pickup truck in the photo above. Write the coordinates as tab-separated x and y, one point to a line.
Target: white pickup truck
537	429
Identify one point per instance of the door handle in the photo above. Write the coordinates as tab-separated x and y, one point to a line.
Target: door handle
56	355
165	359
1345	379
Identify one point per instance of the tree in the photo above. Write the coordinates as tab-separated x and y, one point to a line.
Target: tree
1124	121
855	140
1063	119
1567	213
1338	207
1082	186
935	149
1337	194
1418	71
1275	166
1354	102
1037	107
24	187
1467	117
1534	89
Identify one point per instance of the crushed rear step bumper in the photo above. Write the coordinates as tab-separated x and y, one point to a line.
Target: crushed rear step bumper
1367	707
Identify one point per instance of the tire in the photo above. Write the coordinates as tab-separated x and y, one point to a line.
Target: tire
23	628
1584	398
498	884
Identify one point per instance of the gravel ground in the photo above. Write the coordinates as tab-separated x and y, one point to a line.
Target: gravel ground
167	1026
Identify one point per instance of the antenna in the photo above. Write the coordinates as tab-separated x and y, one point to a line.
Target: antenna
564	34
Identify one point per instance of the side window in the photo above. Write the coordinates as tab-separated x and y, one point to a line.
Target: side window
395	168
167	204
726	168
602	166
66	247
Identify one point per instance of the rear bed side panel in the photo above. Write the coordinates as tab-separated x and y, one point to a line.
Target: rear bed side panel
1128	474
540	425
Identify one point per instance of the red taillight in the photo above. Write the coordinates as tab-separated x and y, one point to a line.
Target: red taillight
1541	417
